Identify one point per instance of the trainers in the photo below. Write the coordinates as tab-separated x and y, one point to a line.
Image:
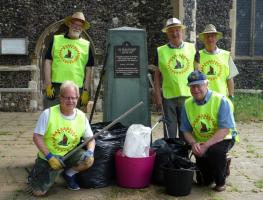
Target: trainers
228	162
71	182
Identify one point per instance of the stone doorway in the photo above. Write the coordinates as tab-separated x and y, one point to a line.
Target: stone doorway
40	51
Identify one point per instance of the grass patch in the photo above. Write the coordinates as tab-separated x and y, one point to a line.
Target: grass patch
5	133
245	140
248	107
259	183
251	148
233	188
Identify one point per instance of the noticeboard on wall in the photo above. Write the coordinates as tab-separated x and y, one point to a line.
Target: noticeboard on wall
13	46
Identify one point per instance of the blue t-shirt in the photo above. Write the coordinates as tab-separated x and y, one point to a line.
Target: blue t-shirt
225	115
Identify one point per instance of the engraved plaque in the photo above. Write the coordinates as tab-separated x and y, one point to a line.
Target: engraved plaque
126	61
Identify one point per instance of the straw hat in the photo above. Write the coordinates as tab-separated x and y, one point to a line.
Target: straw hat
210	28
77	16
173	22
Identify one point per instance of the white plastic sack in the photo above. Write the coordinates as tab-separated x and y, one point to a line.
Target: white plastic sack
137	141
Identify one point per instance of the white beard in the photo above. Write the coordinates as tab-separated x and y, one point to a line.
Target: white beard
75	34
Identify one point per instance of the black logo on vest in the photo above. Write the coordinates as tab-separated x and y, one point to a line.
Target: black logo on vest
68	55
178	65
204	128
211	71
64	141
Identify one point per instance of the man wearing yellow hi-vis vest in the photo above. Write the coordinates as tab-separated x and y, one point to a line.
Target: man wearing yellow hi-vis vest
217	63
59	130
208	125
175	62
69	57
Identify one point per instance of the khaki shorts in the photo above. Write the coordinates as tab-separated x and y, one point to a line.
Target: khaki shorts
42	177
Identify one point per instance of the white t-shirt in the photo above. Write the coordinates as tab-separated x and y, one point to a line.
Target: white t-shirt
42	123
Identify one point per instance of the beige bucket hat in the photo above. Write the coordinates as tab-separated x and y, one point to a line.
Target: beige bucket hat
173	22
77	16
210	28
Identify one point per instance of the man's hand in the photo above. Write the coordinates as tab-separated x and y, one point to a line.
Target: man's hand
50	91
84	98
196	148
199	149
55	161
87	159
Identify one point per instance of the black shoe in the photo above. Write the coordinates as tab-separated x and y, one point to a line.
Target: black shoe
71	182
219	188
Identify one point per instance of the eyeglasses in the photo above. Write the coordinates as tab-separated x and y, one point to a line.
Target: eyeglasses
77	24
70	98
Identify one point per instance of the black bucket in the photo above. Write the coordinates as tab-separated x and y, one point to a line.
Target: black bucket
165	150
178	182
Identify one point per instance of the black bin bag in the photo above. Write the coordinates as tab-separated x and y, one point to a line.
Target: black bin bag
102	173
165	150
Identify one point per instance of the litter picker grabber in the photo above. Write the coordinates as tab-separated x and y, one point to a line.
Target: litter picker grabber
99	85
103	130
162	111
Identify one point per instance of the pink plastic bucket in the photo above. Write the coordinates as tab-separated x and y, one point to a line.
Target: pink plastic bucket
134	172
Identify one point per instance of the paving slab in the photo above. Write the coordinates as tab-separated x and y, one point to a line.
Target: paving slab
17	152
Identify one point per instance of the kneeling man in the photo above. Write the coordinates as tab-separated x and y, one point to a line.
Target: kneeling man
208	125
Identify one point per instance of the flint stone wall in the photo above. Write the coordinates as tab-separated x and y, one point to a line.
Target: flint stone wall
215	12
250	74
29	18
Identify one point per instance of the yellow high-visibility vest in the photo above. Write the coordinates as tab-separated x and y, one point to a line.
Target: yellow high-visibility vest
216	68
70	57
175	66
204	118
63	135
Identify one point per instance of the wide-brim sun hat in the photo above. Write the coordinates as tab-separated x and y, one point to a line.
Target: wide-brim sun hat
210	28
173	22
79	16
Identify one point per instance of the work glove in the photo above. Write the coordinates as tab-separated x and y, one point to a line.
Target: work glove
50	91
87	159
86	155
84	98
55	161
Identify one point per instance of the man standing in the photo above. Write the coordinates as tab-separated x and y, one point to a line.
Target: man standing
175	62
67	58
58	131
217	63
209	127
